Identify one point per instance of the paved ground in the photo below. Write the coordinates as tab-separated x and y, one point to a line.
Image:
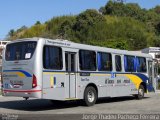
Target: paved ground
123	105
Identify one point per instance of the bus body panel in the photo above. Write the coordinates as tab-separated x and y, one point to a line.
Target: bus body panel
60	84
53	85
108	86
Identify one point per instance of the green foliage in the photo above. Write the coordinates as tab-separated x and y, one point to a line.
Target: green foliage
111	43
130	30
85	22
116	25
36	30
11	33
102	10
37	23
157	9
130	10
87	19
157	27
57	27
156	41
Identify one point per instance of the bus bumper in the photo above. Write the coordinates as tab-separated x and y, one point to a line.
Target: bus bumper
23	93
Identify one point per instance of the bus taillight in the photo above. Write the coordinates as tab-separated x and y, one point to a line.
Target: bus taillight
34	81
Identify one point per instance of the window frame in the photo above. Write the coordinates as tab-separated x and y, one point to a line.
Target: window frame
111	61
80	68
61	57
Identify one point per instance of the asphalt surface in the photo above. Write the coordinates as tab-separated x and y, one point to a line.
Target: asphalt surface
121	105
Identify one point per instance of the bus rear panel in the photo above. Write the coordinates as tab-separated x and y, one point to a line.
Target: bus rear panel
18	70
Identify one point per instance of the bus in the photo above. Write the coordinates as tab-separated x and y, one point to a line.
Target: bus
63	70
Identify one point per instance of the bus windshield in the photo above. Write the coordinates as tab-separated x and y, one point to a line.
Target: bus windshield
20	50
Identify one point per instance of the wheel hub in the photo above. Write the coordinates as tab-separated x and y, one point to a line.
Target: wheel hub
141	92
91	96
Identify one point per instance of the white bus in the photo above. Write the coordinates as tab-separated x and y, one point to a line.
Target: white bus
63	70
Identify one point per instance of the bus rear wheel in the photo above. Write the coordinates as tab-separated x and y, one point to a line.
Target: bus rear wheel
57	102
141	92
90	96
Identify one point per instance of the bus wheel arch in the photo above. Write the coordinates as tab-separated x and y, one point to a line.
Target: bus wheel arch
141	91
90	94
145	86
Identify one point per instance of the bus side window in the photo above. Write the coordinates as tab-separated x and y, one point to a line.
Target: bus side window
141	64
52	58
104	61
87	60
130	63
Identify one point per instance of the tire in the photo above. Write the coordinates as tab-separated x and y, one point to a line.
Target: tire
56	102
141	92
90	96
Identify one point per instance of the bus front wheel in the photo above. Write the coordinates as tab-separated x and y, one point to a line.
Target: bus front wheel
141	91
90	96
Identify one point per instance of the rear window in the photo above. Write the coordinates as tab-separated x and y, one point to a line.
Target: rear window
20	50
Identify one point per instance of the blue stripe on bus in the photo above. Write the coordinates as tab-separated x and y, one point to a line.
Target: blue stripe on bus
54	80
145	78
22	71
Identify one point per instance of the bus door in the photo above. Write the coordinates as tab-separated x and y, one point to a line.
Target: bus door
70	62
150	72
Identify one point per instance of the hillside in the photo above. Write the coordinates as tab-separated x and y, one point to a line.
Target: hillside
115	25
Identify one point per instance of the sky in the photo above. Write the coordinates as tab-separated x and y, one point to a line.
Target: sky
17	13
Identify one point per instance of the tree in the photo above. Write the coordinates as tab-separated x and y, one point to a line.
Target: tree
157	9
157	41
122	1
85	21
11	33
115	8
65	27
102	10
21	29
157	27
90	17
37	23
116	25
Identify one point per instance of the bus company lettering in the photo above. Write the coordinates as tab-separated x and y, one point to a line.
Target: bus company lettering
107	81
84	79
59	43
126	81
4	75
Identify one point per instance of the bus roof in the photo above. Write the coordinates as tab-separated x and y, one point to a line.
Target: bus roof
70	44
